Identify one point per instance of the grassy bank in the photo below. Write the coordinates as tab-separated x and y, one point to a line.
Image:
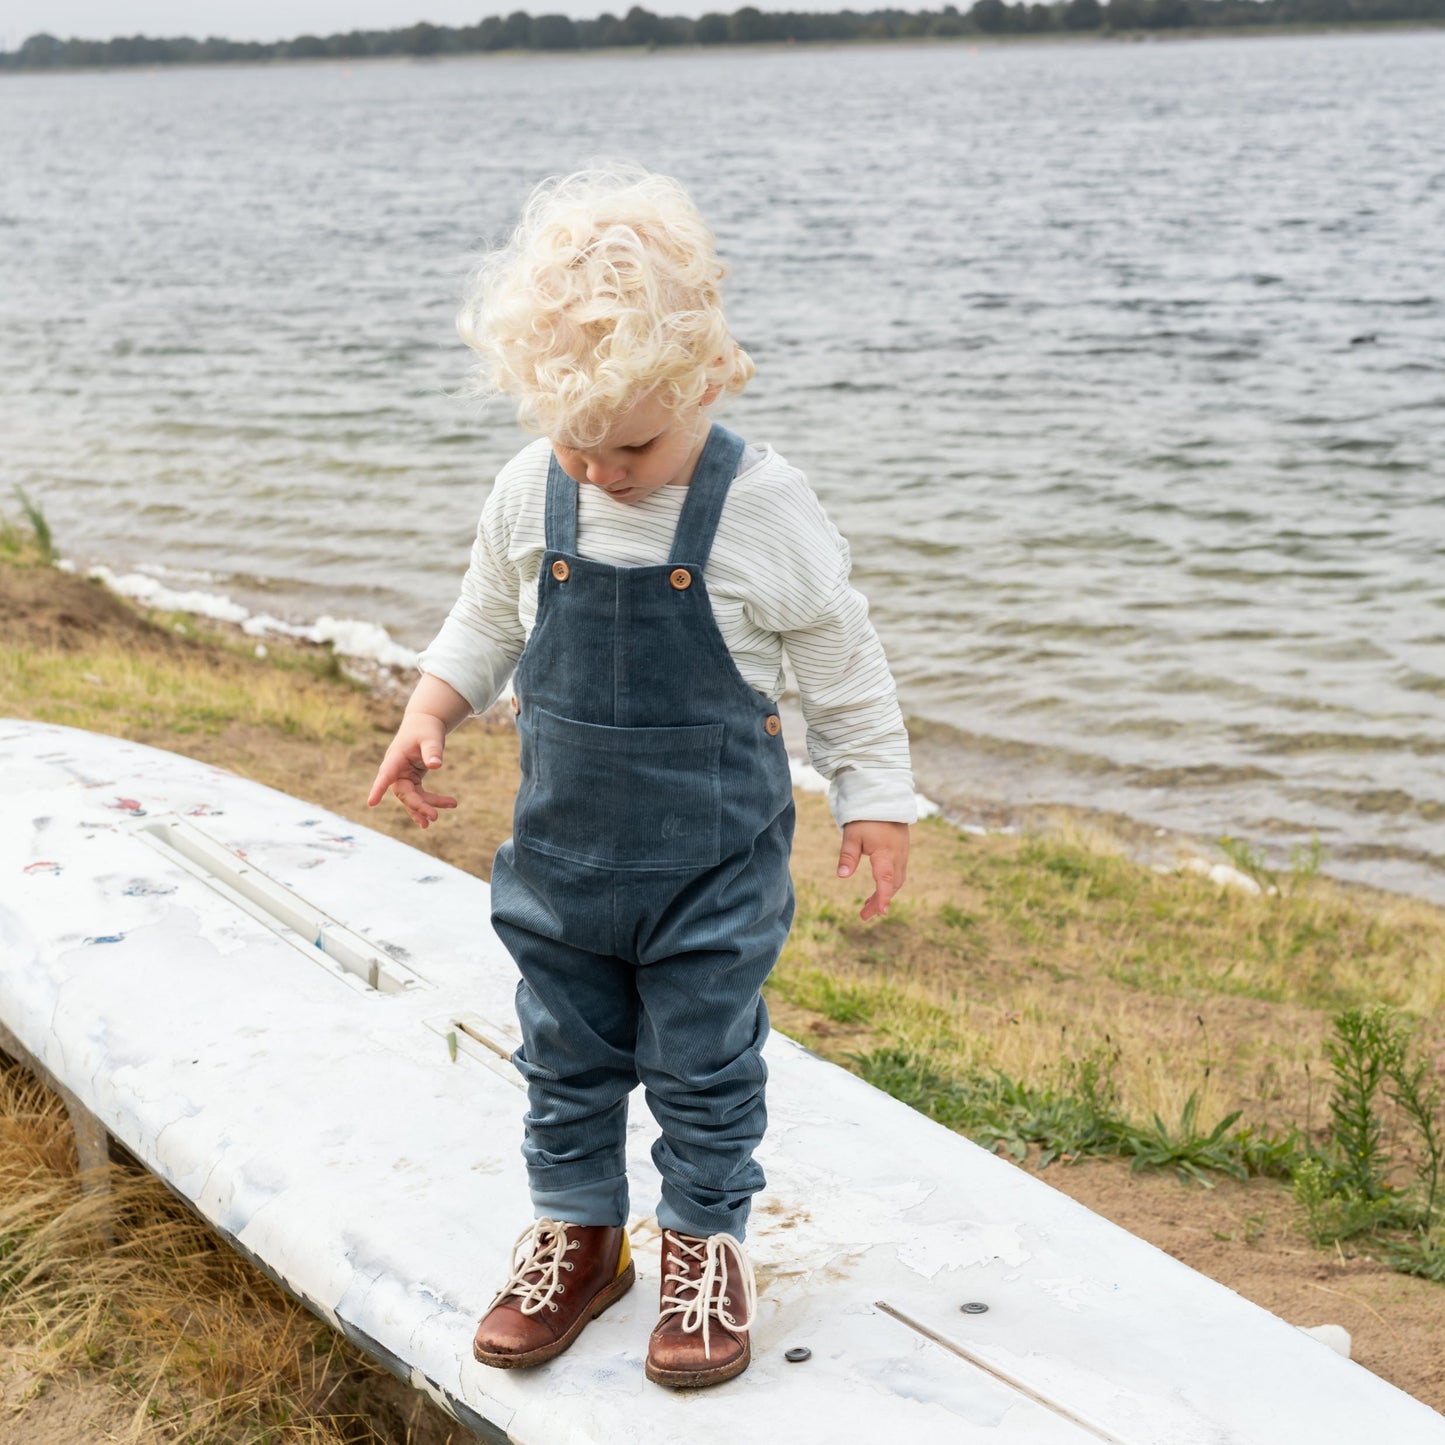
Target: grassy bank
1139	1033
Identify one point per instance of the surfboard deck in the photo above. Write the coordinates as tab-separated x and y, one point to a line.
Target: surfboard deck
302	1027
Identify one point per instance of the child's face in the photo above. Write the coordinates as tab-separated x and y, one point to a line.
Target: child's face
647	447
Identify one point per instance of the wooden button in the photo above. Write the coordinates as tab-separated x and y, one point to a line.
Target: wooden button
681	579
561	571
516	706
774	725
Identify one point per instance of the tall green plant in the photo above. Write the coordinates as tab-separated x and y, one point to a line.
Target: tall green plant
1415	1089
1346	1189
44	542
1361	1053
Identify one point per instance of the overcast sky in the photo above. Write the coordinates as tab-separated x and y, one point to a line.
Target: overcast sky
281	19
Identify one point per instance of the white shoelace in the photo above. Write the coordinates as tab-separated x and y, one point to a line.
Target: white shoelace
541	1247
717	1277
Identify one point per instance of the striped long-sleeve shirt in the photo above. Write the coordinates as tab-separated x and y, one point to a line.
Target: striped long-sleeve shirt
778	581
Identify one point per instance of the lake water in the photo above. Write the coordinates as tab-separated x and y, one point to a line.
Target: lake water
1121	365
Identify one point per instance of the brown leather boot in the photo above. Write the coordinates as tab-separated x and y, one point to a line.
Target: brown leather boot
563	1276
708	1298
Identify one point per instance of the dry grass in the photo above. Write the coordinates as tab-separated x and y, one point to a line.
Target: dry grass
196	1344
114	690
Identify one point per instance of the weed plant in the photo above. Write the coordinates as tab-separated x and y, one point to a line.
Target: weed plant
16	545
1347	1190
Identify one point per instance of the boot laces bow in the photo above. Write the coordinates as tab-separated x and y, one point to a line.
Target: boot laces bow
537	1265
723	1271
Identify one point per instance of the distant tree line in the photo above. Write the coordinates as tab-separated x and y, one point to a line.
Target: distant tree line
639	27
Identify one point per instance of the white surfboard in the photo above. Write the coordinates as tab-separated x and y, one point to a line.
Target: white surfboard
258	998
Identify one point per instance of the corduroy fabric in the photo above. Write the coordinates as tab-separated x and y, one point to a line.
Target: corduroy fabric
645	892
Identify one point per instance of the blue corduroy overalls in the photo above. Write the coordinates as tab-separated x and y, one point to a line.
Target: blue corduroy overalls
645	892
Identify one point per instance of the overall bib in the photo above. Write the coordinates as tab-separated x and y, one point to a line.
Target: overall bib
645	892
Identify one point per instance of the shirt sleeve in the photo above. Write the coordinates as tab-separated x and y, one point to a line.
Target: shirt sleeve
482	637
856	736
855	733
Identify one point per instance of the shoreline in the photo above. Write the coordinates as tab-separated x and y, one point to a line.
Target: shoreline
974	40
1148	842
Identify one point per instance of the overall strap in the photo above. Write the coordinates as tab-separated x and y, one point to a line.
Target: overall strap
561	522
706	493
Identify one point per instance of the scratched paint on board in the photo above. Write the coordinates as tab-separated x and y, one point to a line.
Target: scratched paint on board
142	888
106	938
205	810
44	866
128	805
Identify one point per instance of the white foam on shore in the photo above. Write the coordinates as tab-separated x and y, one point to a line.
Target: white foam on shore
348	636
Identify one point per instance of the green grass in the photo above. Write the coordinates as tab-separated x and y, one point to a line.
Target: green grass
1072	1114
32	546
841	1002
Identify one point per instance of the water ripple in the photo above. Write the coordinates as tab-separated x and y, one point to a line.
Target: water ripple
1119	365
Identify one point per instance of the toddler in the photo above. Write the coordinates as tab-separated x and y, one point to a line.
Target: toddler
643	570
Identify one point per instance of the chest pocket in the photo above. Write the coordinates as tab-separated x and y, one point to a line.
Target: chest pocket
636	799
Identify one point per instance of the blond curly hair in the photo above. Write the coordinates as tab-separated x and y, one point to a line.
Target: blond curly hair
609	291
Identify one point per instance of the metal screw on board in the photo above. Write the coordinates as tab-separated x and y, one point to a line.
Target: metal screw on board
974	1307
797	1355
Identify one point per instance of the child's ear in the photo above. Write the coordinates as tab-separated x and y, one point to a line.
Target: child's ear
711	394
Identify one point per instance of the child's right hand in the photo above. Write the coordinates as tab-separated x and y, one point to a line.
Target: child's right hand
415	751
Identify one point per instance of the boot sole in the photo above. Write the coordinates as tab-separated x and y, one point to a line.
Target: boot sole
601	1301
697	1379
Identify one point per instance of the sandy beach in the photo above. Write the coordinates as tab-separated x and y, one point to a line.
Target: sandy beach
1022	953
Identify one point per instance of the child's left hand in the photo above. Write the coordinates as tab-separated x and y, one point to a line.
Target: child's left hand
886	847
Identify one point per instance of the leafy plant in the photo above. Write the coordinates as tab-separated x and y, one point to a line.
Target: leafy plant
1271	1155
1187	1150
1415	1089
1366	1046
1333	1210
1345	1189
1423	1257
